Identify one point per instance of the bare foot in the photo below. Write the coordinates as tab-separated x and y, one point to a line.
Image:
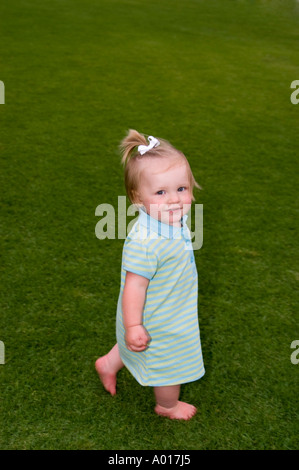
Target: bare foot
181	411
107	378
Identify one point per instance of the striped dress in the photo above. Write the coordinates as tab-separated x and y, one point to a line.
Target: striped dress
164	255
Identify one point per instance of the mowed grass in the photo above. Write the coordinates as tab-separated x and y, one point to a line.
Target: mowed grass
213	77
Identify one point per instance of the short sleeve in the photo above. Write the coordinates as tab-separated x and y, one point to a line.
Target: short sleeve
139	259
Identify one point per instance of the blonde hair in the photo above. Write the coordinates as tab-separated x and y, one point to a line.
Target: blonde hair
131	159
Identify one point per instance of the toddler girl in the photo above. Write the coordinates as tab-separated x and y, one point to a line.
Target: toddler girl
157	326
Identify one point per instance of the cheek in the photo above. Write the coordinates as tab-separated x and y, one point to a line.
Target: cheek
153	205
187	198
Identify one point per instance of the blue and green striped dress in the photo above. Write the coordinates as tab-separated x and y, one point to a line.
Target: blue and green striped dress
163	254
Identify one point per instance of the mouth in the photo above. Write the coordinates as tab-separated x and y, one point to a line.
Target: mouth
176	209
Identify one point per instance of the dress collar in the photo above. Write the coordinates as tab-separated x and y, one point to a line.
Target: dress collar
154	225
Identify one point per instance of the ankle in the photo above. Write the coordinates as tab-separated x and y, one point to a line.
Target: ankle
167	406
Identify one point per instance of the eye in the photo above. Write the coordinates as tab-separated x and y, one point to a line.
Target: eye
162	191
182	188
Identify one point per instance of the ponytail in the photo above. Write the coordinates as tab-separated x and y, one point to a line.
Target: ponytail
132	140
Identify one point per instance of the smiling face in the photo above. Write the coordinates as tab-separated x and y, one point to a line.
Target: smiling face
165	191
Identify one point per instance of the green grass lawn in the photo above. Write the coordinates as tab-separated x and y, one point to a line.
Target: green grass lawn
213	77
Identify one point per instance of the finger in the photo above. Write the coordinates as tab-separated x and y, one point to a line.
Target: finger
136	348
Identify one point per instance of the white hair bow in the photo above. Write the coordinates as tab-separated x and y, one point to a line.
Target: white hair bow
153	142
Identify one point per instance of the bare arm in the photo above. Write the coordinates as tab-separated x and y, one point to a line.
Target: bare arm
133	301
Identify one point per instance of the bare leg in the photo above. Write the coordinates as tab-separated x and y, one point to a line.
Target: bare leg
168	404
107	367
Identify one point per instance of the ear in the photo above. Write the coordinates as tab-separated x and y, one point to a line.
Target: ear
136	198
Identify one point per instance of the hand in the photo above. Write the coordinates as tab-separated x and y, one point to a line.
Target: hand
137	338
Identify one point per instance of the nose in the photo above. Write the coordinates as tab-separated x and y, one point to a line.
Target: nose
173	198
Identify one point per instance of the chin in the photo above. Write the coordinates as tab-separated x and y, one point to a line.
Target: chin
170	219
